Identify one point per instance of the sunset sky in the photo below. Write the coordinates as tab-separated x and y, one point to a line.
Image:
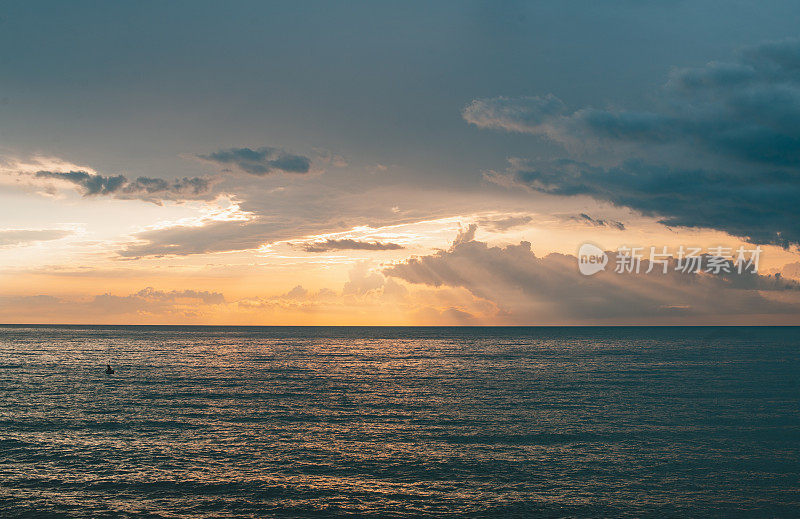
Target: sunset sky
394	163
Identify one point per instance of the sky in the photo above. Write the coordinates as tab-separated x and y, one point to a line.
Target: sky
386	163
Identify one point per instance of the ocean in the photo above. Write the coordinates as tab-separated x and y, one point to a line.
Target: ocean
399	422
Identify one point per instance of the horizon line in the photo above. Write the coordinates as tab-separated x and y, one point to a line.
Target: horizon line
405	325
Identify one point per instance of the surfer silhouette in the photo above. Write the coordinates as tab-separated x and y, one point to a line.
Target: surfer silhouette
109	371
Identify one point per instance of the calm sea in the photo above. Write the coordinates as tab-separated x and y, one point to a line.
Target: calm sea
399	422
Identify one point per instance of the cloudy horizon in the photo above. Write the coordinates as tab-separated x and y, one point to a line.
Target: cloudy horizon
396	165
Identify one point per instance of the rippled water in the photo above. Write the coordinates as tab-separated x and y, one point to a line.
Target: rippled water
393	422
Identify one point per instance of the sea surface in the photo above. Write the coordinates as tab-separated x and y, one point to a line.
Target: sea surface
399	422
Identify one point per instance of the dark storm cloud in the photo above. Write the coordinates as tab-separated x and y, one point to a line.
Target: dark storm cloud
765	211
734	129
260	161
530	287
747	110
348	244
145	188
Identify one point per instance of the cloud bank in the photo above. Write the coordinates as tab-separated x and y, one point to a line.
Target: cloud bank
763	210
721	151
530	289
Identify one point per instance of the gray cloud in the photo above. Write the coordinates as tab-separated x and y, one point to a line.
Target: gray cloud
598	222
506	223
764	213
734	134
176	302
288	215
209	298
791	270
149	301
529	114
348	244
183	240
260	161
294	212
38	303
188	187
550	288
465	235
362	280
154	301
18	237
90	184
298	292
144	188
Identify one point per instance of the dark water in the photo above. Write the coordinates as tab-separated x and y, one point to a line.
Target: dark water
395	422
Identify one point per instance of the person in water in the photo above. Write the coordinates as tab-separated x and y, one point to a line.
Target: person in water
109	371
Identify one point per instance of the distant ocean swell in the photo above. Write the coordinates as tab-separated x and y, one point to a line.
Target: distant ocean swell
399	422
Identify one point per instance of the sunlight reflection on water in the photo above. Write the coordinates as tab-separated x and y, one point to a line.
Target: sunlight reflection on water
259	422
